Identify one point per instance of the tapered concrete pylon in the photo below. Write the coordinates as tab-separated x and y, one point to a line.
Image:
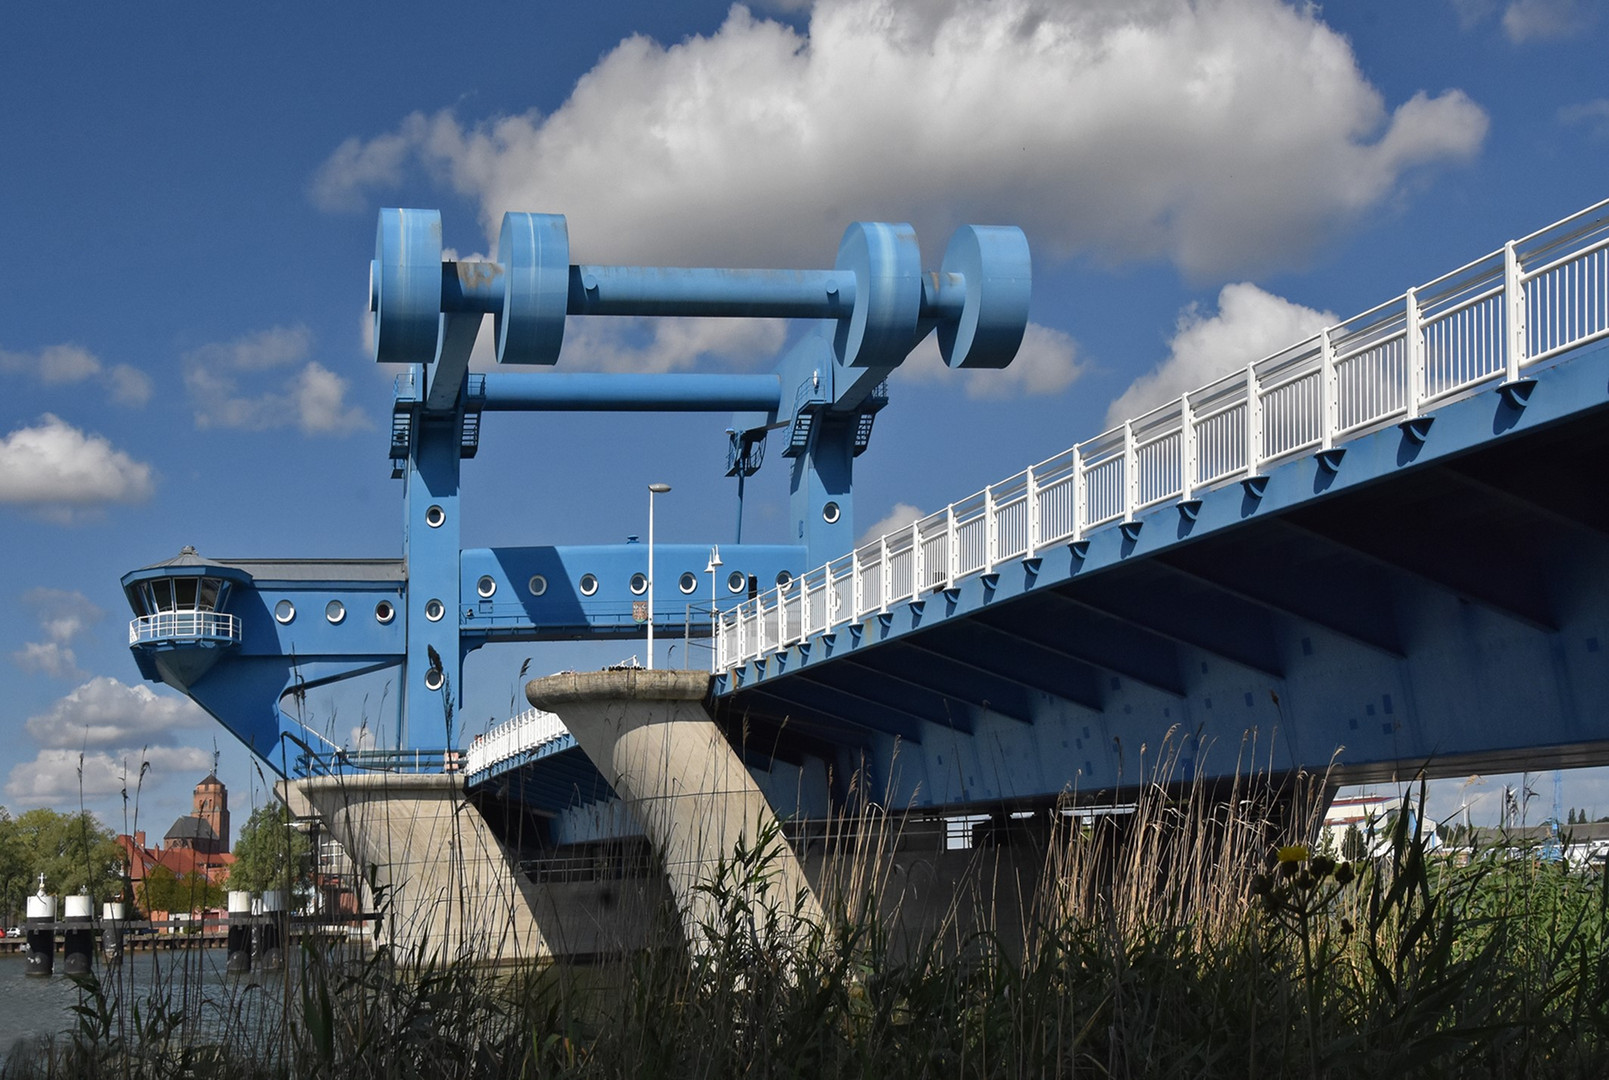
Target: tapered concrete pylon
650	735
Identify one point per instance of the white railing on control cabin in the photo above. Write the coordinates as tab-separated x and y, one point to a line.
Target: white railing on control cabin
1483	323
529	730
187	625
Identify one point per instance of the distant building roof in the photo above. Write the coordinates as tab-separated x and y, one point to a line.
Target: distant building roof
190	827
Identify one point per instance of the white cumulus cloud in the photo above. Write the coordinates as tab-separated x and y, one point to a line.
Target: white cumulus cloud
63	615
61	776
900	517
1548	20
1249	325
1593	116
1047	362
656	345
65	364
264	380
1223	135
105	714
55	466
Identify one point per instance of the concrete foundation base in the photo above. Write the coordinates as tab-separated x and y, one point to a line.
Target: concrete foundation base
448	888
650	736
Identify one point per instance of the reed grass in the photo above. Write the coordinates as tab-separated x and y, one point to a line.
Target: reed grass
1189	933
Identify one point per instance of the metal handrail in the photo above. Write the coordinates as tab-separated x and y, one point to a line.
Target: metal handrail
522	733
184	625
1485	322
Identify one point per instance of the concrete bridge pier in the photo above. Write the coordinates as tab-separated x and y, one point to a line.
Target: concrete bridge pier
436	873
650	735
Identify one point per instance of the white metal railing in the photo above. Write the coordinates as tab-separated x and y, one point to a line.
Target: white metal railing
184	625
529	730
1483	323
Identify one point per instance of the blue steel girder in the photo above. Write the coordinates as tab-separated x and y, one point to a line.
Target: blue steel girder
1356	604
825	701
1463	561
1093	637
956	682
874	683
769	726
992	655
1181	610
1409	603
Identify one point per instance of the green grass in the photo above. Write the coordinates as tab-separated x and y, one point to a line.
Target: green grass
1167	943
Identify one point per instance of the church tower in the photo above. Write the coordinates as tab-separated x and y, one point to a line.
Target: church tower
212	806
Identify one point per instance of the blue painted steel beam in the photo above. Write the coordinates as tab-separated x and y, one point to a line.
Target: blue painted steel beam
1171	606
1355	604
592	392
921	677
1509	589
1541	516
826	700
1081	633
989	653
876	683
818	713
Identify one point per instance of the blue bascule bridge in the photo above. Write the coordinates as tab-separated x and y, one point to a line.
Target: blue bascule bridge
1379	550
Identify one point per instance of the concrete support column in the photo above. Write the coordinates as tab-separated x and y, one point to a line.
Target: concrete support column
443	882
650	735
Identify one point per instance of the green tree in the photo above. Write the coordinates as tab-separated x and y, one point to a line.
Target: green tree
14	878
165	890
75	852
271	853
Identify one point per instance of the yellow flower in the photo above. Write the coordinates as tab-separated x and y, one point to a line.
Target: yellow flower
1294	853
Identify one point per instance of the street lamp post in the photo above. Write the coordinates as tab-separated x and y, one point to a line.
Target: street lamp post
653	490
715	615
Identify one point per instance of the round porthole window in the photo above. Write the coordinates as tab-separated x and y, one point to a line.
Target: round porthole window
639	584
830	513
687	582
537	585
284	611
735	581
784	578
334	611
434	679
485	587
589	584
435	516
434	611
384	612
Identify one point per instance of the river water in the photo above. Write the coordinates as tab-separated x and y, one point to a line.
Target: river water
190	984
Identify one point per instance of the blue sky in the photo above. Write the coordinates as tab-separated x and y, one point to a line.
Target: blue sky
189	195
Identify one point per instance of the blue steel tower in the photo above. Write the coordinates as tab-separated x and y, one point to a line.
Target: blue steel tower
247	638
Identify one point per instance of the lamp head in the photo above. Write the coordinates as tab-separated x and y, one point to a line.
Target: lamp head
659	489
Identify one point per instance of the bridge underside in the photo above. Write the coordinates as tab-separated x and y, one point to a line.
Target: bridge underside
1438	603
